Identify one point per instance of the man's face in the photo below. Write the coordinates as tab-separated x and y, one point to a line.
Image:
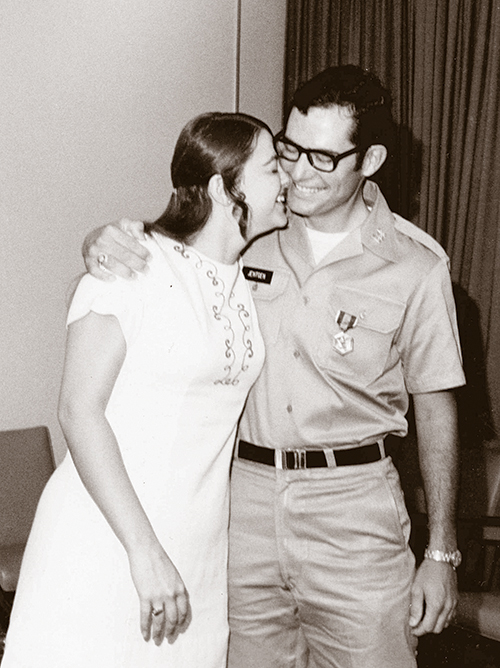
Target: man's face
316	195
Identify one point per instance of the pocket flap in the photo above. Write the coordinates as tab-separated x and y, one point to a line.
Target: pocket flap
372	311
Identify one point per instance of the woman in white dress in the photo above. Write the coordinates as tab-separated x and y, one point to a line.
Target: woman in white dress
126	562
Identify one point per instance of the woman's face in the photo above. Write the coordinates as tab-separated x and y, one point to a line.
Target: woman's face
263	182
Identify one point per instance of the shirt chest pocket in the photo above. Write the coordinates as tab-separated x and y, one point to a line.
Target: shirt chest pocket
368	348
269	301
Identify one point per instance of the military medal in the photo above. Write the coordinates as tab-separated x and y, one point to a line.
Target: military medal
343	342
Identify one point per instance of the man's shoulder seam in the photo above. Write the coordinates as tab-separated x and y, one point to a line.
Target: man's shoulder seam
414	232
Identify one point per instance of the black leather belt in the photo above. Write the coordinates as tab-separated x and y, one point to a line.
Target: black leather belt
309	459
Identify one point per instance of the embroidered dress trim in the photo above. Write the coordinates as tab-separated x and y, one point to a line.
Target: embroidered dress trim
231	372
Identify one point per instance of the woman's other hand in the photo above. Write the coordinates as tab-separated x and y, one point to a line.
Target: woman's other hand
164	600
115	250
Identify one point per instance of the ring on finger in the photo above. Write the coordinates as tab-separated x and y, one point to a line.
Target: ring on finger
157	611
102	258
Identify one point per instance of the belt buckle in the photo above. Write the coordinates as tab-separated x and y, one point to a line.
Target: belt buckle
299	460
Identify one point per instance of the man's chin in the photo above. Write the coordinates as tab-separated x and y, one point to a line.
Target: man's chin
298	209
298	205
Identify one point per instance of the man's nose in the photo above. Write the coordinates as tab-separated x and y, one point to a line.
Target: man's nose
300	169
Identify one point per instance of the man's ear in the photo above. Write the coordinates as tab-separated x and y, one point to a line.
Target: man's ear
374	158
217	191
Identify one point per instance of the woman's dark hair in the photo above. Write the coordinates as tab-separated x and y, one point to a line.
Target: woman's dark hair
362	93
212	143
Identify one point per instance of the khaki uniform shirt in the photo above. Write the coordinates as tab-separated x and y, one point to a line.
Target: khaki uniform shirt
394	279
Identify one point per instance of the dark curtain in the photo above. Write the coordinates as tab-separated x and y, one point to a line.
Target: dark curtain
441	61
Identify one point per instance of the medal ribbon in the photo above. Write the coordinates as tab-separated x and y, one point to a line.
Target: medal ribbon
346	321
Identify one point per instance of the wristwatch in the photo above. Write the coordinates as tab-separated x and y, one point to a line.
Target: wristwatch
452	558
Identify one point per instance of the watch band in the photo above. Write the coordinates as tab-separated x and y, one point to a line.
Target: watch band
453	558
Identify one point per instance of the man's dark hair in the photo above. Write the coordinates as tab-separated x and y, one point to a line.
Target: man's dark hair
362	93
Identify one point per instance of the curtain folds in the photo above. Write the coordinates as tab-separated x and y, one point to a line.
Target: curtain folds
441	61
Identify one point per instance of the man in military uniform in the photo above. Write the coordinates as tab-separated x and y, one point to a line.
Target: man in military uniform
356	310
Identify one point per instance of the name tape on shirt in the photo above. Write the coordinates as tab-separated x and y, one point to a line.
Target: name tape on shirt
258	275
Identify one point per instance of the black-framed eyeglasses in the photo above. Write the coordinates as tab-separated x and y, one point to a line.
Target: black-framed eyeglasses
323	161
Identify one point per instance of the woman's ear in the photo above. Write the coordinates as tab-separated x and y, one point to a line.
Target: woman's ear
374	158
217	191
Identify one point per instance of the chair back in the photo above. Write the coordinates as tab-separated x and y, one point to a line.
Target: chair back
26	463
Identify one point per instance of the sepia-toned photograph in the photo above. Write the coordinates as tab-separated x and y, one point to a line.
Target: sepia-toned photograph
250	341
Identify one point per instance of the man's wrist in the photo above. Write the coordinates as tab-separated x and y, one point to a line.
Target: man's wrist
454	557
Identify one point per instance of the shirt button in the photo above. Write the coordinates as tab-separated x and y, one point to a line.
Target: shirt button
255	287
289	408
296	354
306	300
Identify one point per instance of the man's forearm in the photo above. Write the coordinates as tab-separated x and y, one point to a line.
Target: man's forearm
436	420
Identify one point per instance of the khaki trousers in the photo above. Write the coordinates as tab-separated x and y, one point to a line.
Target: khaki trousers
319	568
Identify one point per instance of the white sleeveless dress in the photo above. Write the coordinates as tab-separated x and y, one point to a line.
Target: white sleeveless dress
193	352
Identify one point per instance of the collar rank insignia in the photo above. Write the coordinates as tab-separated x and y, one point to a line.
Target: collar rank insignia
258	275
343	342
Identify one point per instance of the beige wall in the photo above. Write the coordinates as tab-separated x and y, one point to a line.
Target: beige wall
262	57
93	96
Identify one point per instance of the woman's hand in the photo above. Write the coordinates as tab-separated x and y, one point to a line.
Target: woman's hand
163	597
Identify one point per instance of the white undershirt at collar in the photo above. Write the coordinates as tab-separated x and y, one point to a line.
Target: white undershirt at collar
323	242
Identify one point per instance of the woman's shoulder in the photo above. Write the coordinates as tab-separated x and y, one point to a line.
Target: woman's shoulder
121	298
161	245
105	297
89	287
168	257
